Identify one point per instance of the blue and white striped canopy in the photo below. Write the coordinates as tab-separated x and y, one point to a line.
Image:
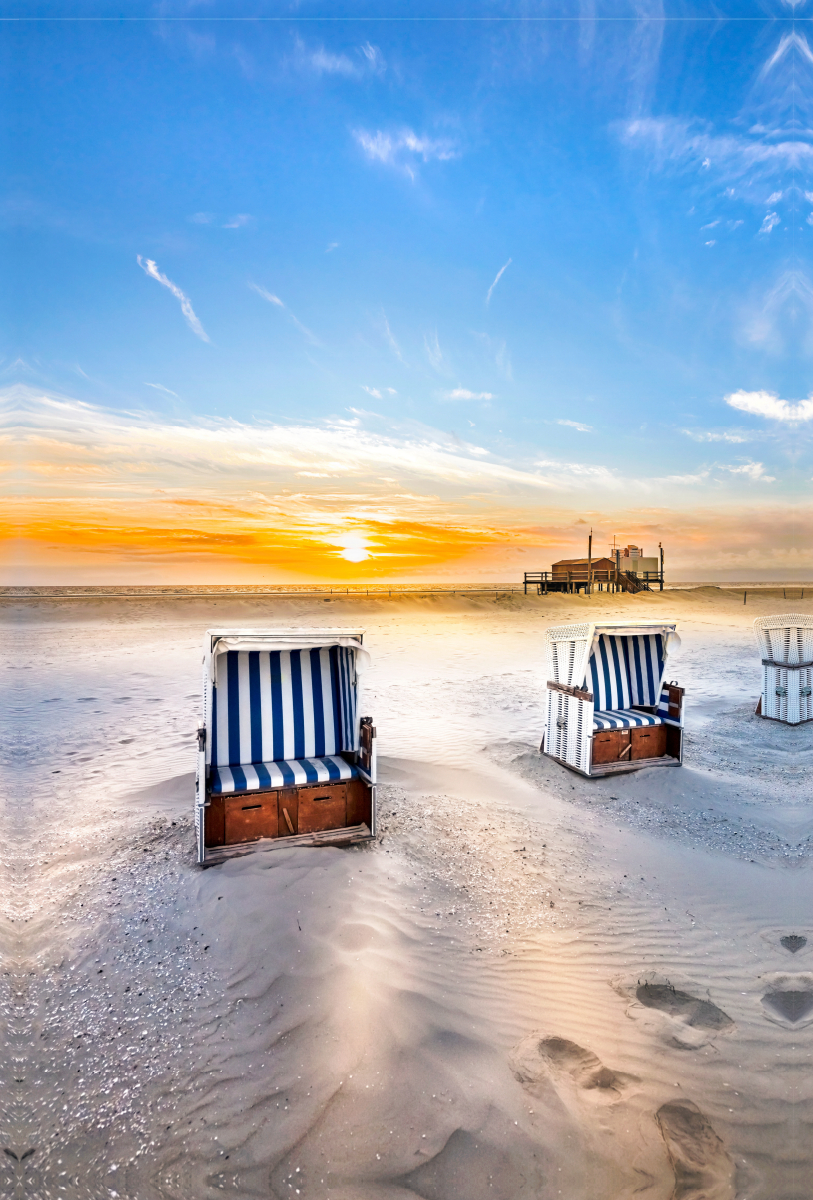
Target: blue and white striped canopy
278	705
626	670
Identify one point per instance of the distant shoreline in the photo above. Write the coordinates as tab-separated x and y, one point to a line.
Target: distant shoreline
192	591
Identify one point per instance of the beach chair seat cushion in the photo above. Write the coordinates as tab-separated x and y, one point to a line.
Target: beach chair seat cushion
287	772
623	718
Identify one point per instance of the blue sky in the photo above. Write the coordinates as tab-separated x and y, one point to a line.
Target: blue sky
517	271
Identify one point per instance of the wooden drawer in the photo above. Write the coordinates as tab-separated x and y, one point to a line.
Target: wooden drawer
250	817
320	807
611	745
649	742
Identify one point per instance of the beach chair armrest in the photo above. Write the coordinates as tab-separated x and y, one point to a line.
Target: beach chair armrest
366	737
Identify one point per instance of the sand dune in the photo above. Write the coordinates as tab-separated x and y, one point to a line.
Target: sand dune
532	985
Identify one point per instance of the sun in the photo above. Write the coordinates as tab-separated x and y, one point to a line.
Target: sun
354	548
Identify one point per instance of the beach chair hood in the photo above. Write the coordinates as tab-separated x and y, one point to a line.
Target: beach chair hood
576	652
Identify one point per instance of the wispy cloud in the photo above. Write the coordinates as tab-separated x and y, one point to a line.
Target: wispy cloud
433	350
497	279
790	299
325	63
755	471
331	246
770	222
391	342
202	218
150	268
465	394
148	450
275	300
159	387
402	150
374	58
747	158
716	436
768	404
577	425
321	61
266	295
788	44
371	391
238	221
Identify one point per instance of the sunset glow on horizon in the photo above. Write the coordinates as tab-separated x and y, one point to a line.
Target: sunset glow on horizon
362	300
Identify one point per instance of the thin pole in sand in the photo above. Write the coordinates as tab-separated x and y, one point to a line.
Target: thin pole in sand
744	597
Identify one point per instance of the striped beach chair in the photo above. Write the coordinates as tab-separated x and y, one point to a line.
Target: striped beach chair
282	751
786	645
608	705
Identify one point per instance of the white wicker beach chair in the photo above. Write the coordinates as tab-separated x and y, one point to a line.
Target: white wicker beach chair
608	707
282	752
786	645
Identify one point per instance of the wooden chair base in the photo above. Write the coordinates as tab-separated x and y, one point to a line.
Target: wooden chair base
287	813
618	768
331	837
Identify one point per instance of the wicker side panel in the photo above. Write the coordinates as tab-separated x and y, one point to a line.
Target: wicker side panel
805	694
786	695
566	661
200	769
570	721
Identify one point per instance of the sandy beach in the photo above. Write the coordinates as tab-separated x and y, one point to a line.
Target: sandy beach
531	985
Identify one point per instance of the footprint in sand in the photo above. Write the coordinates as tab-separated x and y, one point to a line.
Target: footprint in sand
703	1169
549	1059
701	1014
696	1019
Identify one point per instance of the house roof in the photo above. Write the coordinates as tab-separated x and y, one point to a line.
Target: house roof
582	562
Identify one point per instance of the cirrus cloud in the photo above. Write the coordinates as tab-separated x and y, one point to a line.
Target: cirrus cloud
465	394
402	150
151	268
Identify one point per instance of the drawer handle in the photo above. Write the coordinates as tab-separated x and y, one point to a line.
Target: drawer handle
316	799
249	807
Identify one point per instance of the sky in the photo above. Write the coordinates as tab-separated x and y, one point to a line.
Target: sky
304	292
